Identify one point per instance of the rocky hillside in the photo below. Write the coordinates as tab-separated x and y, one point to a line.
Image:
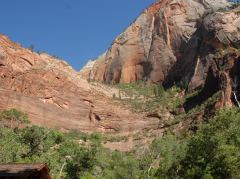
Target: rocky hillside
191	43
53	95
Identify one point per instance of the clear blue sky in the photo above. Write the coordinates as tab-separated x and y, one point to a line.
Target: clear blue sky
75	30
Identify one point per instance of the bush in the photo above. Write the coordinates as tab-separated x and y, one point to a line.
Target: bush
163	154
82	162
34	137
11	149
53	138
31	48
13	118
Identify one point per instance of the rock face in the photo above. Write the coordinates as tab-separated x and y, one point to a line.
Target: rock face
53	95
211	61
149	49
191	43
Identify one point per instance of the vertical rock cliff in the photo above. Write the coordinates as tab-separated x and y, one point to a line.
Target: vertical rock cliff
150	47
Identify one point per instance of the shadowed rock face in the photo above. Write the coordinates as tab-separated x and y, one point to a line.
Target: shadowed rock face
53	95
211	61
151	46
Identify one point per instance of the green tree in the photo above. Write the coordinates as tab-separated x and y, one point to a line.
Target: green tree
214	152
125	167
163	154
11	148
80	163
34	136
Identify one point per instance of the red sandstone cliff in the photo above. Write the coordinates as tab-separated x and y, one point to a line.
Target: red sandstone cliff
53	95
190	43
149	48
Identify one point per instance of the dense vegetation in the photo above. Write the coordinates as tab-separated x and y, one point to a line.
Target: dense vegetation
212	151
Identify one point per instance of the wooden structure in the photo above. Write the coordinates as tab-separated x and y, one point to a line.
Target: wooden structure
24	171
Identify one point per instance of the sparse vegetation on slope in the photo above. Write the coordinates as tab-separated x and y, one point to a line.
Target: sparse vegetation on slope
148	98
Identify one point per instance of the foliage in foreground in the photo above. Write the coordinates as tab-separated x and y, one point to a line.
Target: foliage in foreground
213	152
81	155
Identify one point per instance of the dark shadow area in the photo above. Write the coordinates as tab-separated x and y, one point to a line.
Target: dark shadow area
24	171
210	88
24	174
186	63
147	69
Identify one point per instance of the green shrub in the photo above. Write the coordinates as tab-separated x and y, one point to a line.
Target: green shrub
82	162
31	48
33	137
11	147
13	118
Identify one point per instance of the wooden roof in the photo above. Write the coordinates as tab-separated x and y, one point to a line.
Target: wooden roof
22	169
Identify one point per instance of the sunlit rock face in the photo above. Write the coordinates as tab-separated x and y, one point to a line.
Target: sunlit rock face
151	46
54	95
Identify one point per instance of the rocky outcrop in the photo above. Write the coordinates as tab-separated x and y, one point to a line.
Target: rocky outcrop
149	49
217	33
53	94
212	59
193	44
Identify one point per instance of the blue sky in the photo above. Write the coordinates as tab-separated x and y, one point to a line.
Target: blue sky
75	30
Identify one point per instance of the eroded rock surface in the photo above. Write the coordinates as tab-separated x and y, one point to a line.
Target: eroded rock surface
154	43
53	95
190	43
211	61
